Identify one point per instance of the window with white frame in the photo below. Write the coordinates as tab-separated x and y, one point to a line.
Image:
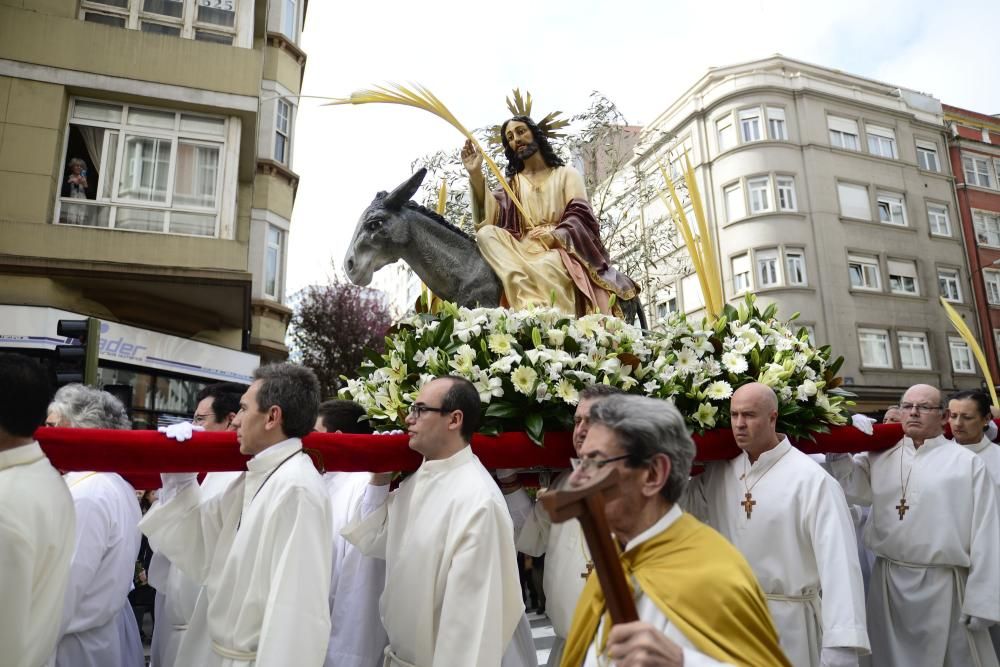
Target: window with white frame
691	293
667	305
854	202
786	192
843	132
735	206
914	352
903	277
937	219
875	350
768	274
143	169
891	209
741	273
273	256
290	19
282	131
881	141
776	124
759	191
927	156
992	279
750	125
961	355
977	171
795	266
864	272
987	226
949	285
726	132
202	20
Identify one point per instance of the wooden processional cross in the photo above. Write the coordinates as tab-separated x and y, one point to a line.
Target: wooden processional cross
586	503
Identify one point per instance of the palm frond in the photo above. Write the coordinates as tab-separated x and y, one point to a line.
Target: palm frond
442	196
422	98
970	340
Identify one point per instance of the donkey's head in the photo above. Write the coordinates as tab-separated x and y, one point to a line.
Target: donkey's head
380	233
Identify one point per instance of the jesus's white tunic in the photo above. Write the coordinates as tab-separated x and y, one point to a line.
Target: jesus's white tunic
176	593
262	549
98	627
940	561
452	594
357	638
799	541
36	544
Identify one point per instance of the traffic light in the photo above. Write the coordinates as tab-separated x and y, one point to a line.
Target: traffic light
78	363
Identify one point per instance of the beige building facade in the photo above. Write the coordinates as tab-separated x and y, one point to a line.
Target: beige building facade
831	195
145	152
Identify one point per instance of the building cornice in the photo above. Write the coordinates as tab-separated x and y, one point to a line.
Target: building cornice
270	167
282	43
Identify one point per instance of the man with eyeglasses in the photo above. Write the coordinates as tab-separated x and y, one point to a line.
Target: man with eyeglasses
567	559
790	520
699	603
935	533
452	593
176	593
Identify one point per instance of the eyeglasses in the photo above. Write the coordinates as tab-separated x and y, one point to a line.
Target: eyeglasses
595	464
417	410
922	409
201	419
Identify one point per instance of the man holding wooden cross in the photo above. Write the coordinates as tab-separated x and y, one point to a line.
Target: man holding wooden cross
699	603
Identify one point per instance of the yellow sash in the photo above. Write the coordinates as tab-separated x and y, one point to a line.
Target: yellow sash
704	587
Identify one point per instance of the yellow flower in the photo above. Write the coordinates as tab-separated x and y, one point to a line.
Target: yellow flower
524	379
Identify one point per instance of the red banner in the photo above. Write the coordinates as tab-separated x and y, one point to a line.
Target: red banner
141	455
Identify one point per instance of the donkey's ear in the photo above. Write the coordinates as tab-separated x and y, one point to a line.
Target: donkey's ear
405	192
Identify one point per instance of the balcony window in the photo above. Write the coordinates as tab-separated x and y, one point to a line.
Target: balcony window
776	124
750	125
913	350
767	267
881	141
202	20
875	351
759	190
795	267
786	193
273	258
843	132
144	169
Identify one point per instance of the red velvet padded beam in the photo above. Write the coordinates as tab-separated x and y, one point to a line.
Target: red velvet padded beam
142	455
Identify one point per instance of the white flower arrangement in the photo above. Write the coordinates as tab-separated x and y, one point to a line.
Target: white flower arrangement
529	366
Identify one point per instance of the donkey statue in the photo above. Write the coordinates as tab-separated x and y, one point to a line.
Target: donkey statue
445	258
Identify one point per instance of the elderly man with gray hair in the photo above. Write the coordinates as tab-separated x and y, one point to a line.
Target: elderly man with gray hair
699	603
98	626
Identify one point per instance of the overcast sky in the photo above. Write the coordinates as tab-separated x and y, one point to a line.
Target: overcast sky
642	55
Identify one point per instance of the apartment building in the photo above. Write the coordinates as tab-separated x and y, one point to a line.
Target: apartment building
145	180
829	194
974	154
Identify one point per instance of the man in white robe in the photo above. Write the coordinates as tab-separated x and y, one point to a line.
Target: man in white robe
357	638
452	595
936	537
971	418
176	593
37	521
98	627
790	519
263	547
567	561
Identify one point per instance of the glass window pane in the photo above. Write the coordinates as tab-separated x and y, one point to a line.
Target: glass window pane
105	19
110	161
217	12
192	223
160	29
112	3
71	212
196	175
110	113
203	125
288	18
138	219
141	383
144	174
174	395
174	8
163	120
214	37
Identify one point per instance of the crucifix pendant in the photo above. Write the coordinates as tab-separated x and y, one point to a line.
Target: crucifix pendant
748	504
590	568
902	507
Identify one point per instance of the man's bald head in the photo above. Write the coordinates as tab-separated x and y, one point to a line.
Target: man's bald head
923	413
753	414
